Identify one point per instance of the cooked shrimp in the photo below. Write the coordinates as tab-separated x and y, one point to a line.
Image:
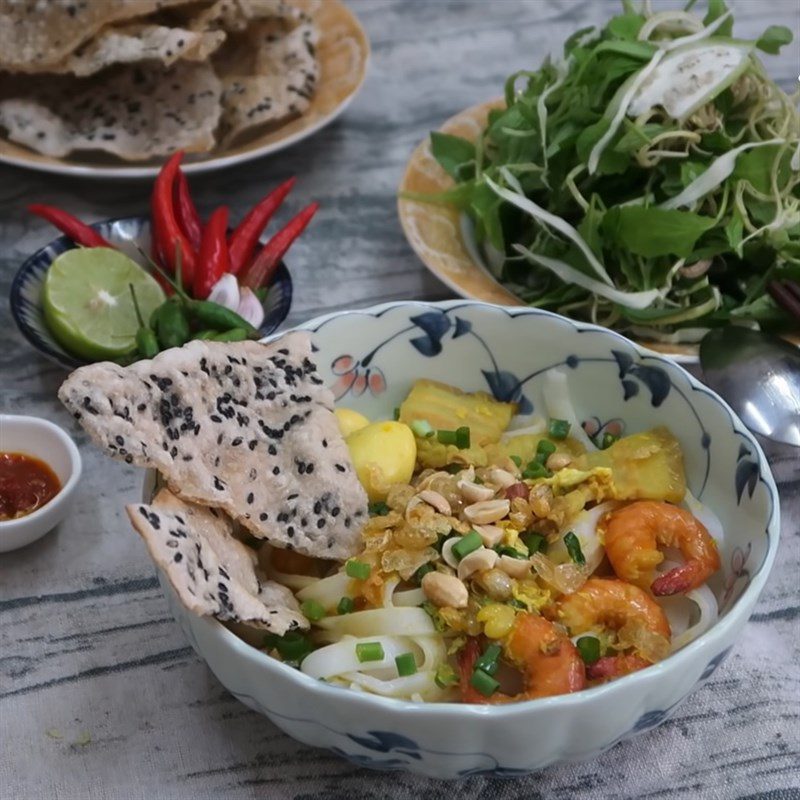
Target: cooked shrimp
610	667
634	533
548	660
636	618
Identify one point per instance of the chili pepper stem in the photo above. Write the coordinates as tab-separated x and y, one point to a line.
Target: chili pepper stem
136	306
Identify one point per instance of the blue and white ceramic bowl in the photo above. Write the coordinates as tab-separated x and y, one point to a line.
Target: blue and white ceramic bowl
371	358
127	234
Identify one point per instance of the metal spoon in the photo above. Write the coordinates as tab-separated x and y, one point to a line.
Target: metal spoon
759	376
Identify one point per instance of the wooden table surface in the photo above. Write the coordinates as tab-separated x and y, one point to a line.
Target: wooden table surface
100	695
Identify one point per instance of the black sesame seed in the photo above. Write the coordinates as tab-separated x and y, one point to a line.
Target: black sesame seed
276	471
263	516
178	557
250	498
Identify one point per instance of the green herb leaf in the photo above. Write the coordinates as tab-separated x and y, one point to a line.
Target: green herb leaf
653	232
773	38
454	154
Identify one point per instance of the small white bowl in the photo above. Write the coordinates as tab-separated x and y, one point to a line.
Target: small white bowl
46	441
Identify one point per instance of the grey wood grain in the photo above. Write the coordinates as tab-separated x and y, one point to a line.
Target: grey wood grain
87	647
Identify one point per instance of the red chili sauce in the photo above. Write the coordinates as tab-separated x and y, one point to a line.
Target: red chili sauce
26	483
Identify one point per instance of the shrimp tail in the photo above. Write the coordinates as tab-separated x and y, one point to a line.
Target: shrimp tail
680	580
610	667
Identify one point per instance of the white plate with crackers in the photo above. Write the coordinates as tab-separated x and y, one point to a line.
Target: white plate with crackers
129	83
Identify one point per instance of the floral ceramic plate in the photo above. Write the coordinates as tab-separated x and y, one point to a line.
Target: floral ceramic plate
343	53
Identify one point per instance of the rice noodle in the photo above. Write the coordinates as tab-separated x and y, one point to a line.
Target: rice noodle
378	621
705	515
559	405
584	526
328	591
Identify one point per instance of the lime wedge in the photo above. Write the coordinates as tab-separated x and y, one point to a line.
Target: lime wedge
87	303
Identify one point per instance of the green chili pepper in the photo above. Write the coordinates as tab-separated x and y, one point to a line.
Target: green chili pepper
207	333
173	327
233	335
207	312
213	315
146	341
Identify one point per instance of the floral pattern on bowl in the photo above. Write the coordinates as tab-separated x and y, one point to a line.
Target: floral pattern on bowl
614	385
128	234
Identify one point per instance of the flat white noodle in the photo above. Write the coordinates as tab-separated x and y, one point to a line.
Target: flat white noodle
388	591
293	582
328	591
689	615
421	683
559	405
584	526
409	597
705	515
377	621
340	657
535	425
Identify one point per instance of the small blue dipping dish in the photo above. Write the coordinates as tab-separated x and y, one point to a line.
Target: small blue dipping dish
127	234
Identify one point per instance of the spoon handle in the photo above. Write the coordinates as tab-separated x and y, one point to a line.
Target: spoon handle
787	295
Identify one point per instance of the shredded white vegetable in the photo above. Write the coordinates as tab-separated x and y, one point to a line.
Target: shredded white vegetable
518	199
569	274
638	80
584	526
718	172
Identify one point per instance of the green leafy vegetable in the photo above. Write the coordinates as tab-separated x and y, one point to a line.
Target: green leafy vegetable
648	181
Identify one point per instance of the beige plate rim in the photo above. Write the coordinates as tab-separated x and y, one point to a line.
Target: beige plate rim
439	225
19	156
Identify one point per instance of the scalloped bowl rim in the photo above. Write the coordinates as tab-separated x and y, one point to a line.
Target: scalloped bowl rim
228	639
62	243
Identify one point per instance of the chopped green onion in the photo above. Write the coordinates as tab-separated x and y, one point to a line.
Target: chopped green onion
422	428
396	413
608	440
445	676
406	665
454	468
477	479
293	646
535	470
378	509
574	548
484	683
313	610
346	605
558	429
468	543
422	572
533	541
517	460
488	660
544	450
369	651
514	603
505	550
357	569
589	648
462	438
446	437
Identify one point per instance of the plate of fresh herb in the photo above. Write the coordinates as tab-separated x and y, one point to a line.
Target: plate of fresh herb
649	181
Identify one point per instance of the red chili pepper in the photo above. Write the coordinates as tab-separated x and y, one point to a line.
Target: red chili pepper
188	218
214	260
78	231
167	234
245	238
260	272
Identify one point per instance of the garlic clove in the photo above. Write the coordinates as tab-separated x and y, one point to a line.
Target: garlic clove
250	308
225	292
